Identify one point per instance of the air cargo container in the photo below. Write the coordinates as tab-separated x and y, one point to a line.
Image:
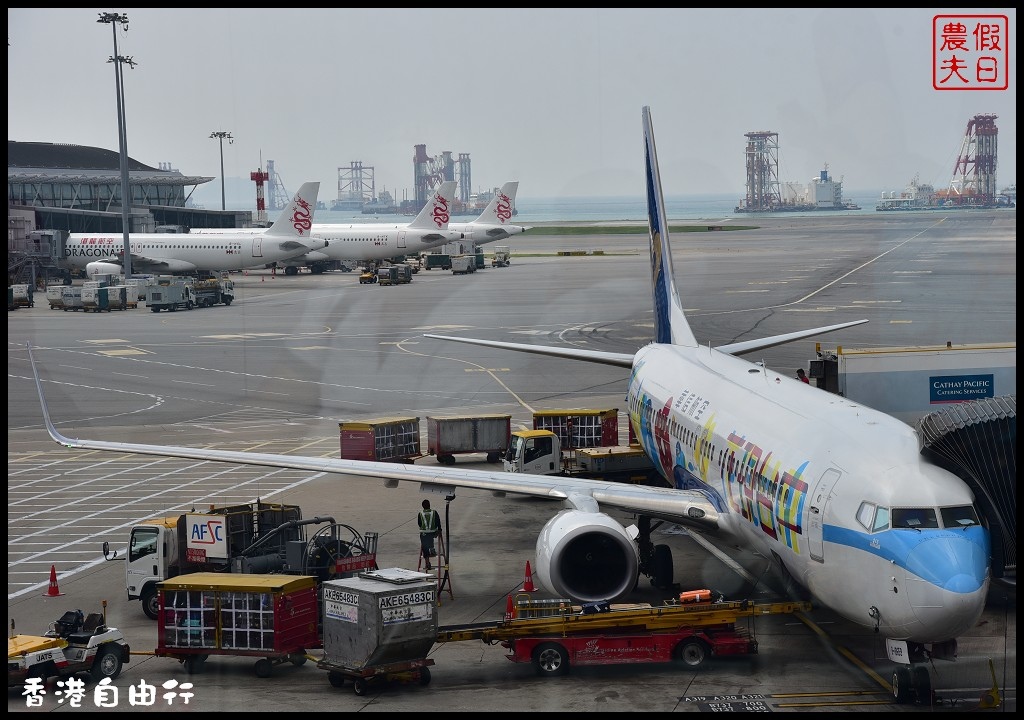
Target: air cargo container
388	439
457	434
272	617
580	428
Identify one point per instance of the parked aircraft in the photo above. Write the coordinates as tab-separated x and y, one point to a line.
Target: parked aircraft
191	253
493	223
837	494
374	241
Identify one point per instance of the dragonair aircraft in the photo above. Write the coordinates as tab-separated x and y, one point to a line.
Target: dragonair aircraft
373	241
191	253
493	223
836	493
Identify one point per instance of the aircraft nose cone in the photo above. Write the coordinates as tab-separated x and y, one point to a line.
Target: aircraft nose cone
947	582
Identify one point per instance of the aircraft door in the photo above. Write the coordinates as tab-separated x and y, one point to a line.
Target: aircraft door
816	513
257	247
401	239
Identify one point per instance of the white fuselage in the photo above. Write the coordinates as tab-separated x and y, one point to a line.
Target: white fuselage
795	476
365	241
186	252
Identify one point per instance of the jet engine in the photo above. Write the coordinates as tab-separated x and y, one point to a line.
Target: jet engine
587	557
99	267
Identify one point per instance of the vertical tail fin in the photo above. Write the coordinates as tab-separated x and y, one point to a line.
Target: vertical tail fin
499	210
670	325
296	219
438	210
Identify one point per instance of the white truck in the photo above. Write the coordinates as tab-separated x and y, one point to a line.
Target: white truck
254	538
463	264
541	452
911	382
172	295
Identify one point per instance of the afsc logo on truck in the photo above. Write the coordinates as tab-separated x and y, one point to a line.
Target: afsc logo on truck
205	538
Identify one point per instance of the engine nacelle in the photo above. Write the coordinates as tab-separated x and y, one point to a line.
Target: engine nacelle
98	267
587	557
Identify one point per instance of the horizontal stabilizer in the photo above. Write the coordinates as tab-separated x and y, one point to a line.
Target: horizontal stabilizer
741	348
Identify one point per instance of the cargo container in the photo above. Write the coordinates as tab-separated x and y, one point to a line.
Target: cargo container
387	275
378	624
55	295
22	295
273	617
388	439
452	435
580	428
463	264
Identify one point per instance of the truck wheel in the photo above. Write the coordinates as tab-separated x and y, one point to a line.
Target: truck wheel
662	575
336	679
154	308
360	686
194	664
493	457
550	659
150	603
691	653
424	676
297	659
107	663
264	668
227	301
446	459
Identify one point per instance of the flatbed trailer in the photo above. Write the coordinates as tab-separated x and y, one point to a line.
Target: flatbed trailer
366	677
555	637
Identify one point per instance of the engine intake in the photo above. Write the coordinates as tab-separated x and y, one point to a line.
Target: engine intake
587	557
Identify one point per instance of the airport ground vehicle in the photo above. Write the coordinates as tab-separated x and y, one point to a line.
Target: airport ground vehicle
184	293
214	291
541	452
448	436
368	277
75	643
253	538
272	617
438	260
386	439
910	382
555	635
463	264
501	256
387	275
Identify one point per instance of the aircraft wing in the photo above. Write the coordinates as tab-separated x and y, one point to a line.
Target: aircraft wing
595	356
141	263
685	507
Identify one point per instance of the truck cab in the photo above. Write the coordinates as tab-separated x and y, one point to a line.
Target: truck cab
533	451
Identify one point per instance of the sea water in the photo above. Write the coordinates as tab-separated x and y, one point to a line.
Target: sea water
604	209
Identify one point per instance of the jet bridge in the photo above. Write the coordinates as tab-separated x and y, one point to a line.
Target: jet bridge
977	440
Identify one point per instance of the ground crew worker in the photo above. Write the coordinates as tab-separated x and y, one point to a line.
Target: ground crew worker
430	527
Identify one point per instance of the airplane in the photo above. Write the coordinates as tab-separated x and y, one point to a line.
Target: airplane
372	241
493	223
193	253
836	494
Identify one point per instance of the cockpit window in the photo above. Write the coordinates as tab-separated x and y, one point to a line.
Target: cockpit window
872	517
959	516
914	518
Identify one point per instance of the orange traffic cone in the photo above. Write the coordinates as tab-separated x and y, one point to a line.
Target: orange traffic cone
528	584
510	609
53	591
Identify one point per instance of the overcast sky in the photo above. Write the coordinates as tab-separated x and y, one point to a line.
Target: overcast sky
549	97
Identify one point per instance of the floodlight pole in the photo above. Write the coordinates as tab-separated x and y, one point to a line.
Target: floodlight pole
220	135
113	19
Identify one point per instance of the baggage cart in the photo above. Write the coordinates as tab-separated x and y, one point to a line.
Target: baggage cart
387	439
270	617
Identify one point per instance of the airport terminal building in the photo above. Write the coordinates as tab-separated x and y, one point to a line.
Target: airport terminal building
56	189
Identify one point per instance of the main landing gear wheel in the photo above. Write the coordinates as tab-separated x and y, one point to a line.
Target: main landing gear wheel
922	683
662	577
901	685
336	679
550	659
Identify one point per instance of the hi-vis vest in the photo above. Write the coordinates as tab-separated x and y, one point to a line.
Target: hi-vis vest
428	521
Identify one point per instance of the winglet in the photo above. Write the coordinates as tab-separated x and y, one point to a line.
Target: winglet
438	210
670	325
50	428
296	220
